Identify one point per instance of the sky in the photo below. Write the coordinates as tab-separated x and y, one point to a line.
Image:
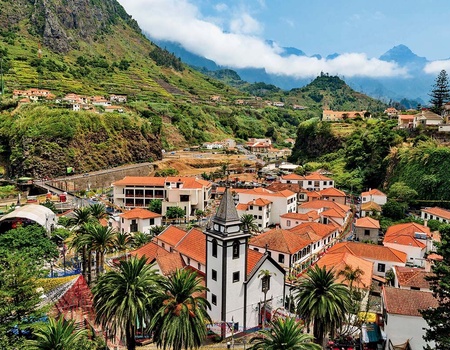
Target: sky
234	33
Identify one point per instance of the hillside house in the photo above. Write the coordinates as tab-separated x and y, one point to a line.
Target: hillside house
435	213
290	220
367	229
405	121
391	112
427	118
335	116
34	94
369	209
334	195
411	278
138	220
260	210
374	195
118	98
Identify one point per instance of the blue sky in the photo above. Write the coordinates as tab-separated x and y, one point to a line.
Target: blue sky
233	32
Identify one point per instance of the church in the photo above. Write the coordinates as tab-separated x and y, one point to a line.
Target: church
238	279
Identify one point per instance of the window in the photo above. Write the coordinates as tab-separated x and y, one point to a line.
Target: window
235	249
281	258
214	275
265	284
199	267
214	248
366	232
213	299
288	223
256	249
260	208
188	261
381	267
251	207
235	276
152	221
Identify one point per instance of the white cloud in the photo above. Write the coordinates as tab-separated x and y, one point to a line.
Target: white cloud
436	66
181	21
221	7
245	24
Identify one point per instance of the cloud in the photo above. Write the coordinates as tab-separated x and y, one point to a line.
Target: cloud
436	66
181	21
221	7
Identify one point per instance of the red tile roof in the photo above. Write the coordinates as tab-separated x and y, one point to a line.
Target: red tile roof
278	186
260	202
193	245
241	206
139	213
339	260
373	192
280	240
319	204
367	222
407	302
333	213
172	235
170	262
412	277
408	229
317	176
309	216
292	177
370	251
188	182
436	211
370	206
262	191
253	257
332	192
151	250
320	230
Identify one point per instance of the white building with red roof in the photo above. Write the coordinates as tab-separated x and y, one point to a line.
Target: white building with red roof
312	182
373	195
329	212
436	213
334	195
412	278
403	323
188	193
290	220
367	229
414	239
259	208
138	220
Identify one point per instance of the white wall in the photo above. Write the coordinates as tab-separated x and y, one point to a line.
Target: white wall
401	328
413	254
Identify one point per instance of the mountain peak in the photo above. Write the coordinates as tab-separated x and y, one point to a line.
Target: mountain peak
402	55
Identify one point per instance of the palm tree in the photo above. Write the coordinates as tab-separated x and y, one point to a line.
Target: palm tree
351	275
98	211
123	241
322	301
265	277
101	239
156	230
56	335
122	296
140	239
81	217
180	321
248	222
285	334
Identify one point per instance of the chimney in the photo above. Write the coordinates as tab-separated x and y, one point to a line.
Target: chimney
425	223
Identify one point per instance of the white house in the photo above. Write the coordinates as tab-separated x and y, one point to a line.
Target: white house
436	213
138	220
427	118
403	323
290	220
188	193
373	195
260	210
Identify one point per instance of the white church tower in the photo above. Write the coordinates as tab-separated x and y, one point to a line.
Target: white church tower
226	261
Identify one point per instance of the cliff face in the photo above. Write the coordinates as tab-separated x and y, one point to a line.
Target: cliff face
61	23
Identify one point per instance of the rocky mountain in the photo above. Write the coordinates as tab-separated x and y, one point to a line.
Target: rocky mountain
412	89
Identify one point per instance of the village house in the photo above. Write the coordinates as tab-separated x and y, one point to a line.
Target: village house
100	101
188	193
213	145
435	213
411	238
34	94
290	220
111	108
329	212
260	210
312	182
282	202
403	323
278	104
391	112
369	209
138	220
367	230
334	195
302	194
405	121
118	98
427	118
382	258
330	115
373	195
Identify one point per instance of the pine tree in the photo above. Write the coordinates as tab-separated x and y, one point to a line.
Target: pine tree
440	93
438	318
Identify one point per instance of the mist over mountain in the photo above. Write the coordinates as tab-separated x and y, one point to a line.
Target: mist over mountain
413	87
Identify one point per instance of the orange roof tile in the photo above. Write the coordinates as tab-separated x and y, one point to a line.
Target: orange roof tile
317	228
367	222
317	176
253	257
262	191
310	215
370	251
151	250
333	213
278	186
188	182
373	192
407	302
319	204
436	211
332	192
412	277
313	194
241	206
170	262
139	213
292	177
259	202
193	245
172	235
280	240
339	260
409	229
370	206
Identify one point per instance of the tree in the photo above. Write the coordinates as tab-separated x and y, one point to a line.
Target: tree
438	318
175	212
101	239
401	192
123	241
322	301
140	239
351	275
181	318
285	334
57	335
394	210
122	296
199	214
440	94
265	281
50	205
156	230
248	223
98	211
155	206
